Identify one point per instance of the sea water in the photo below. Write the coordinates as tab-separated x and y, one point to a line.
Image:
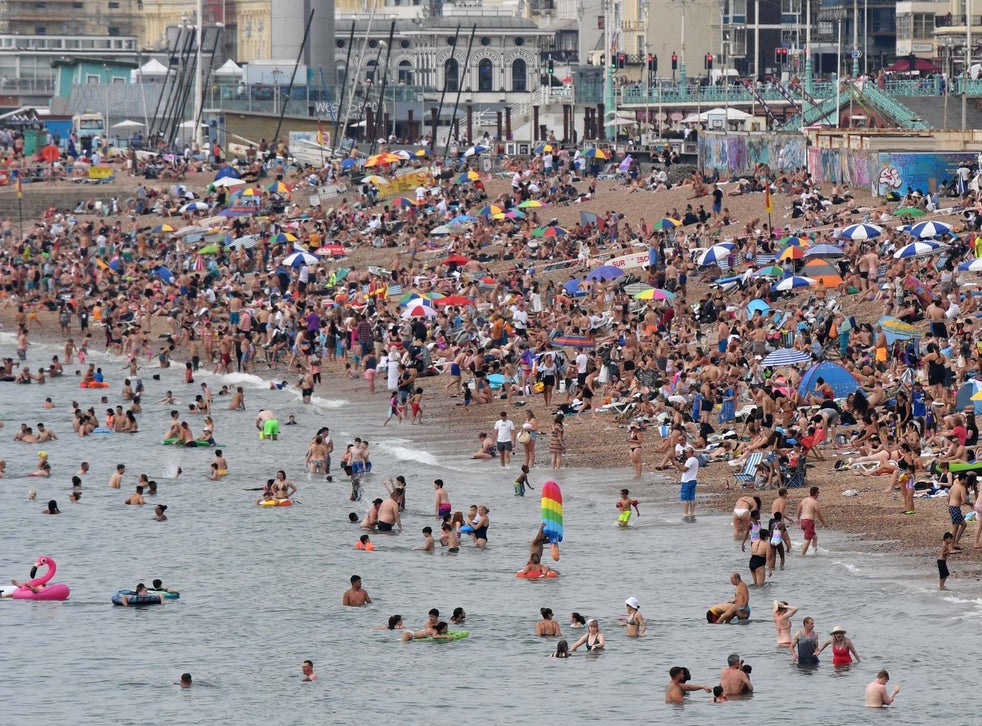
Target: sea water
261	588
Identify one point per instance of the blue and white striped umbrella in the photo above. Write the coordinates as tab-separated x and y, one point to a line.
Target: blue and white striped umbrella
714	255
299	259
926	230
785	357
861	231
791	283
917	249
971	266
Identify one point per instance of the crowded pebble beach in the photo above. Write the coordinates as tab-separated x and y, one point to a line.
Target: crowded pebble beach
472	331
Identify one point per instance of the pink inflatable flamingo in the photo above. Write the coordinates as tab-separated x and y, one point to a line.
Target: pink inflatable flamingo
58	591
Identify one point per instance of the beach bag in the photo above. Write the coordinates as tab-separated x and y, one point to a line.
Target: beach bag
524	437
604	375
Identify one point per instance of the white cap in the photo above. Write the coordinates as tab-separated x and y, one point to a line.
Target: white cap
633	602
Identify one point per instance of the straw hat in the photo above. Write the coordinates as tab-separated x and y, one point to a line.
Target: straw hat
838	629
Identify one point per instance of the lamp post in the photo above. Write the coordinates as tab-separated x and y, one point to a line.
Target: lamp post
947	42
198	81
682	80
838	16
808	47
855	38
967	72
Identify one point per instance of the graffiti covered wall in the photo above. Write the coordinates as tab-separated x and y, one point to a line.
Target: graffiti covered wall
842	166
898	170
739	153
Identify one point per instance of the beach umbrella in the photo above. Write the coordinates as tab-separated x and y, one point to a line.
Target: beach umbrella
250	192
443	230
792	283
489	209
199	263
228	181
299	259
540	148
594	153
476	149
194	207
402	202
909	212
282	238
533	203
247	242
898	328
419	311
331	251
573	341
917	249
757	306
792	253
463	219
402	154
189	230
160	228
455	260
457	300
794	241
861	231
769	271
348	163
232	212
668	223
654	293
550	230
212	249
278	188
604	272
414	298
420	153
374	179
926	230
164	274
785	357
573	288
971	266
467	176
825	272
714	255
509	214
635	288
824	251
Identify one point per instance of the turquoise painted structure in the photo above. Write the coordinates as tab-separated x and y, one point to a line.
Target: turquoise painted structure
77	70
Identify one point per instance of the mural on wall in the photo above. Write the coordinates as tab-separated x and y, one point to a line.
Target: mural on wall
740	153
841	166
897	171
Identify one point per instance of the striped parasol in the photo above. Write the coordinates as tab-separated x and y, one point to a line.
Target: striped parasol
785	357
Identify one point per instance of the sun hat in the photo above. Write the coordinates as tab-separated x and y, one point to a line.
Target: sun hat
633	602
838	629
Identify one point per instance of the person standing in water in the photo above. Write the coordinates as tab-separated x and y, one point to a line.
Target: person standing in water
805	644
783	612
876	692
635	622
843	651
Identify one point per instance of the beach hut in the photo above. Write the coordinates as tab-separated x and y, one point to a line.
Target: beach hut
842	381
964	400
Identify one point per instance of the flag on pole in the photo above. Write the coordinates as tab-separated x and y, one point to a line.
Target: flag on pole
320	133
20	186
768	205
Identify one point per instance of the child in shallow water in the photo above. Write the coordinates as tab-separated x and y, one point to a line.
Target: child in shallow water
562	650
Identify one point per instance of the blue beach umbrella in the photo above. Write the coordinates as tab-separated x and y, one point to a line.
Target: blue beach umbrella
824	251
926	230
861	231
792	283
604	272
917	249
785	357
714	255
755	306
573	288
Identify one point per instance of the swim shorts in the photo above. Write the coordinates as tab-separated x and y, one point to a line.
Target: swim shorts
688	491
384	526
808	528
504	446
625	516
271	427
956	515
943	569
444	508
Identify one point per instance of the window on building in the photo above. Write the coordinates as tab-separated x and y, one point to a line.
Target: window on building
114	30
905	27
405	73
40	30
738	11
370	72
519	76
341	69
485	76
923	25
113	6
451	75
